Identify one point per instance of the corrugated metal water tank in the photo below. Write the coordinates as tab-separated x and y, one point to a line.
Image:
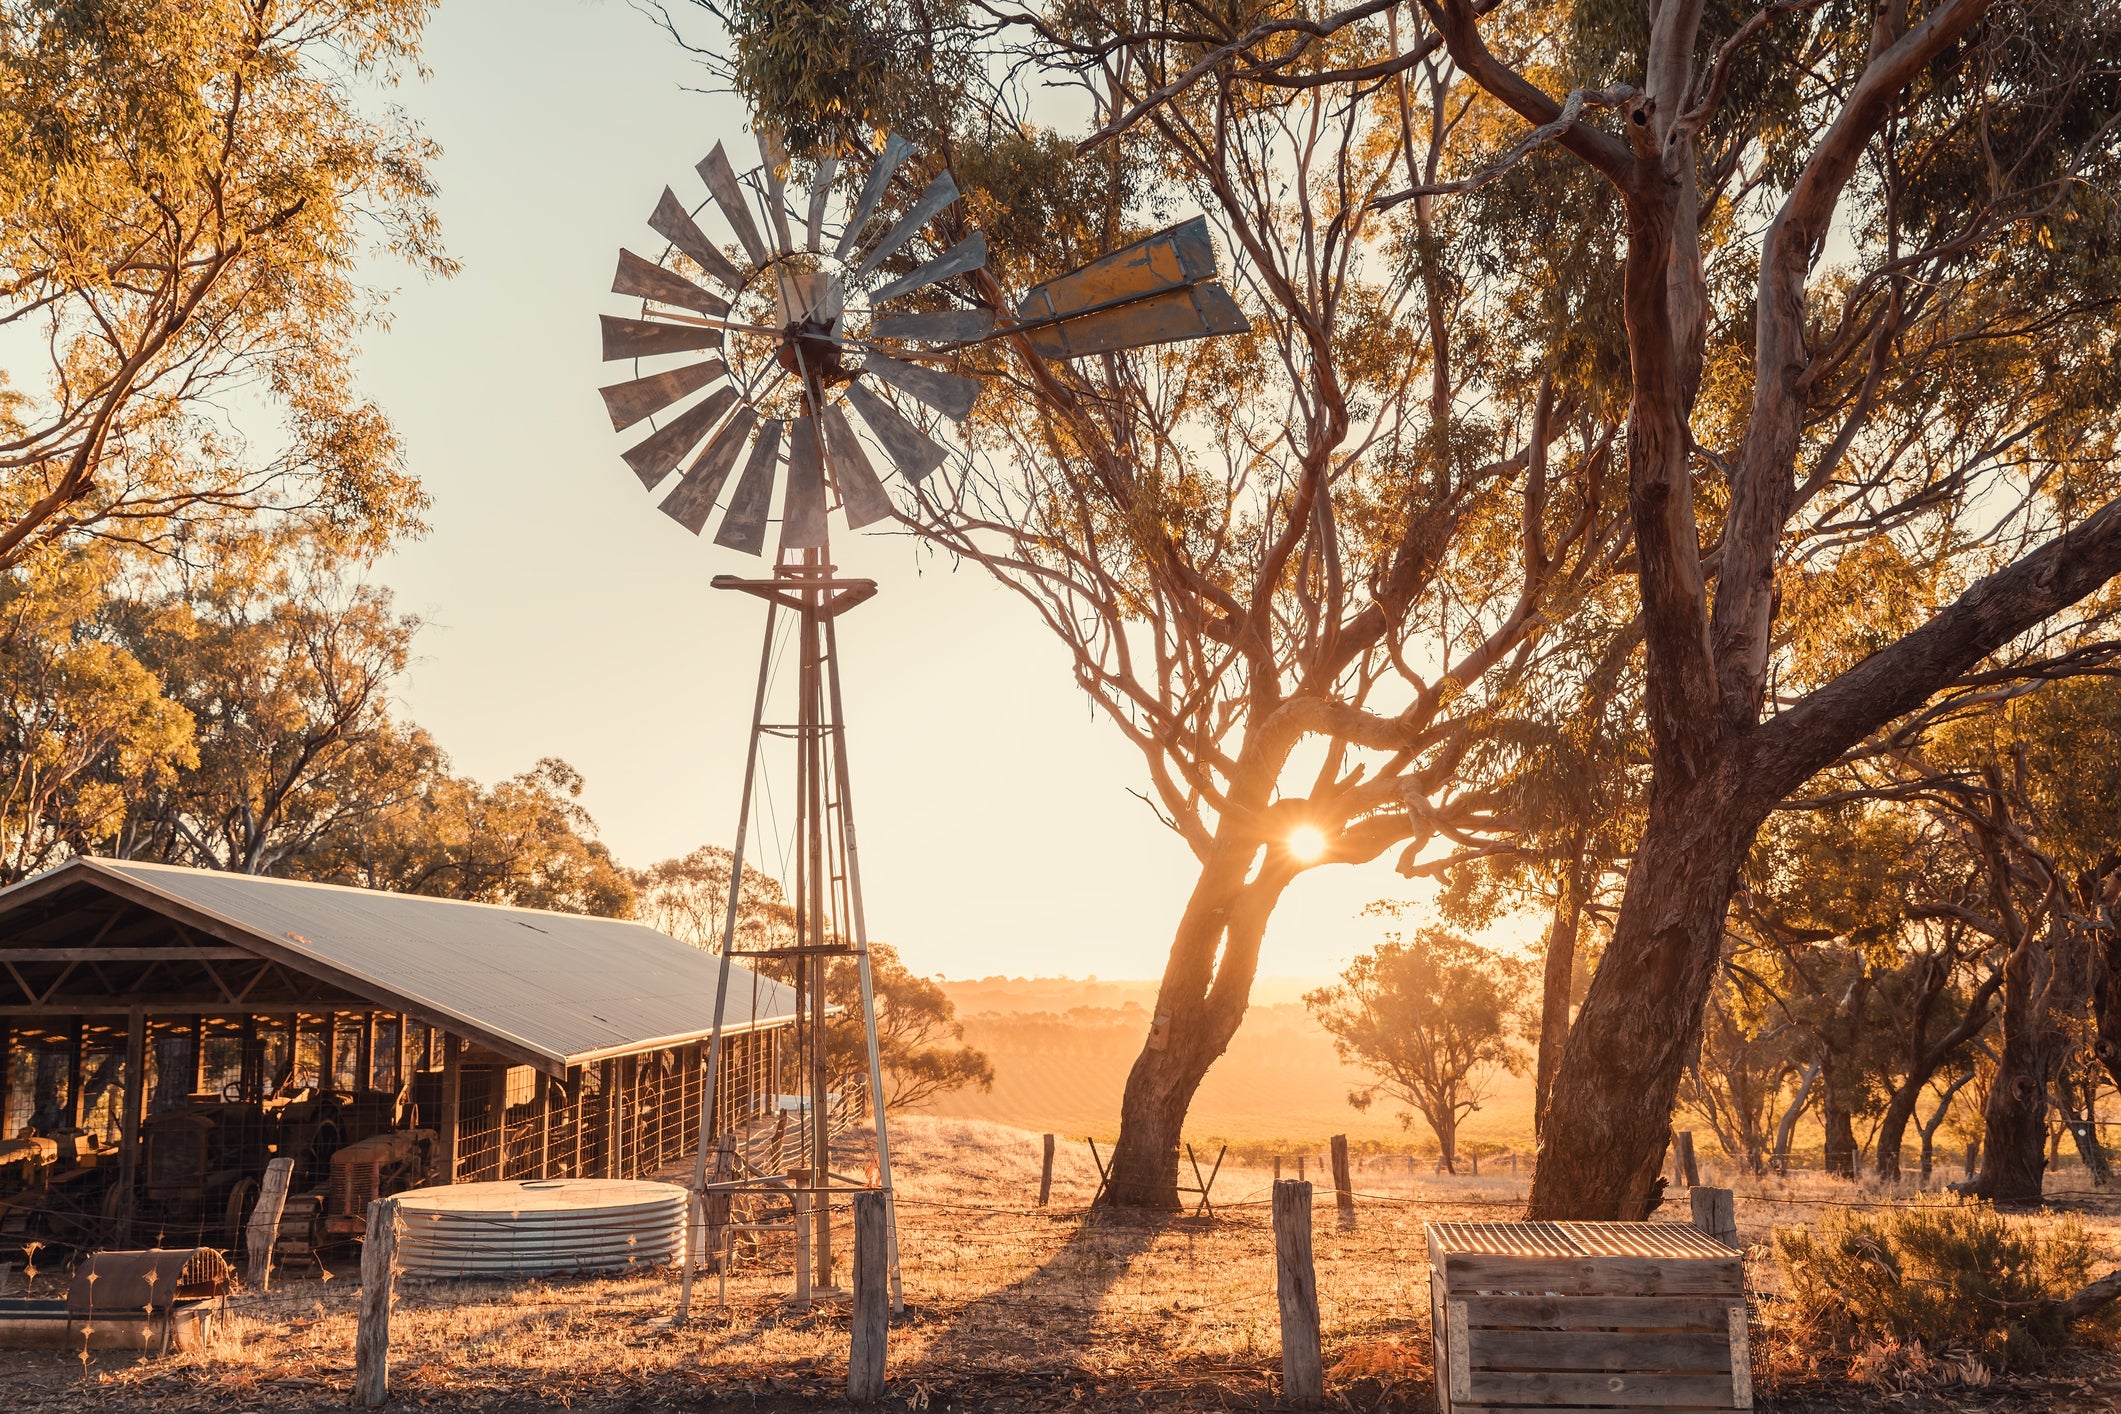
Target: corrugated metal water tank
539	1227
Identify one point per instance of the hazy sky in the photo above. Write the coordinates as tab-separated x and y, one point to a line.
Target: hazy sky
567	617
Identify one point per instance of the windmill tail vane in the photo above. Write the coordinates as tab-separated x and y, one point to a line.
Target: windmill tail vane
777	333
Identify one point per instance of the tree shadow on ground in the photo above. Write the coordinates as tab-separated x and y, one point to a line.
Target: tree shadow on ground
1050	1311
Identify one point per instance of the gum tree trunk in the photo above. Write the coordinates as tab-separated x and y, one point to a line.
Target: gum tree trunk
1925	1062
1610	1114
1206	988
2014	1136
1557	982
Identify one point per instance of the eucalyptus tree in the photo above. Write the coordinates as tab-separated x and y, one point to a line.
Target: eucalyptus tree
1329	577
185	192
1917	424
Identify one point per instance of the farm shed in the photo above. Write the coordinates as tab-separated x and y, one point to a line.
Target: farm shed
166	1032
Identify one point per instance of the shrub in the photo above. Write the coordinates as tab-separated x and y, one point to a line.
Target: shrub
1935	1286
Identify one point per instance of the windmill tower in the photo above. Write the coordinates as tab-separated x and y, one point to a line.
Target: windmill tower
767	340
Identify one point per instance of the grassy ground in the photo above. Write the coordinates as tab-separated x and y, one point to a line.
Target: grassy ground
1008	1308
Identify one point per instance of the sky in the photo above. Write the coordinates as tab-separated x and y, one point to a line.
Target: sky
567	617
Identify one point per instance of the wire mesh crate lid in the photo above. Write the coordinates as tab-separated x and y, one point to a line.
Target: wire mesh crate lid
1663	1241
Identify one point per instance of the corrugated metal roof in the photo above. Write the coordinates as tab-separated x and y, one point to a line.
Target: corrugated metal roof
557	987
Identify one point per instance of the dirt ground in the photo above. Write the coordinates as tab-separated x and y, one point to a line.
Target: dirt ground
1008	1307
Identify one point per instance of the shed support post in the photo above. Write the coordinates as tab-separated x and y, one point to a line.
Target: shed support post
452	1098
608	1161
129	1133
73	1077
574	1103
544	1125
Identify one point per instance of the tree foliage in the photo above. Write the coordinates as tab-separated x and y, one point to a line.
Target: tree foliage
185	192
1759	359
920	1042
1433	1017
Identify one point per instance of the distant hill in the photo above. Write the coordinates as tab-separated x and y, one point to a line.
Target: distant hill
1062	1047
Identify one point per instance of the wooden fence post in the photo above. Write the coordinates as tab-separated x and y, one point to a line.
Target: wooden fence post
1973	1159
1683	1158
1277	1168
872	1296
264	1229
1299	1168
1045	1177
1715	1213
1343	1181
372	1333
1303	1379
801	1205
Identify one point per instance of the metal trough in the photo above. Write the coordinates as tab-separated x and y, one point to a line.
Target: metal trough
38	1322
161	1299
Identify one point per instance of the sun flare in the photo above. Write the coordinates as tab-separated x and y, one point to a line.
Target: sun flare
1307	844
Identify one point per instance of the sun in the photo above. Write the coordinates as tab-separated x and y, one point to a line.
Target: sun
1306	844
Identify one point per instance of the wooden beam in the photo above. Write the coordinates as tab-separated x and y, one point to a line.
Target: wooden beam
544	1084
134	1099
575	1094
608	1094
452	1077
165	954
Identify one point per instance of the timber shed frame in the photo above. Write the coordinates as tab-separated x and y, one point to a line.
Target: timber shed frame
518	1043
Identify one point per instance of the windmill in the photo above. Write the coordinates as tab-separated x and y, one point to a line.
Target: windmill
752	351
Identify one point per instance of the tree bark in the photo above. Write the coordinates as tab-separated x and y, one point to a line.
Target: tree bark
1840	1128
1557	983
1206	988
2106	995
2014	1135
1837	1054
1610	1114
1923	1063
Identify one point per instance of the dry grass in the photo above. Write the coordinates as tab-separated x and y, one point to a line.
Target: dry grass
1007	1307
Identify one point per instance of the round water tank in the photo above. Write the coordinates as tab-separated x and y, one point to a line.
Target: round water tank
539	1227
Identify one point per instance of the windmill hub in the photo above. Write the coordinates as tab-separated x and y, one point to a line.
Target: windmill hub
810	347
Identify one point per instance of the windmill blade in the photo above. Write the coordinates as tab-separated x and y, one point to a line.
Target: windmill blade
645	338
1174	257
803	509
946	326
896	151
653	459
1189	312
938	194
720	177
861	493
692	499
948	393
820	193
645	279
967	254
744	526
631	401
911	450
771	160
674	223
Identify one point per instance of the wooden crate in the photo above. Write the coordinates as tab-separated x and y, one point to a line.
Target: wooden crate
1586	1316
